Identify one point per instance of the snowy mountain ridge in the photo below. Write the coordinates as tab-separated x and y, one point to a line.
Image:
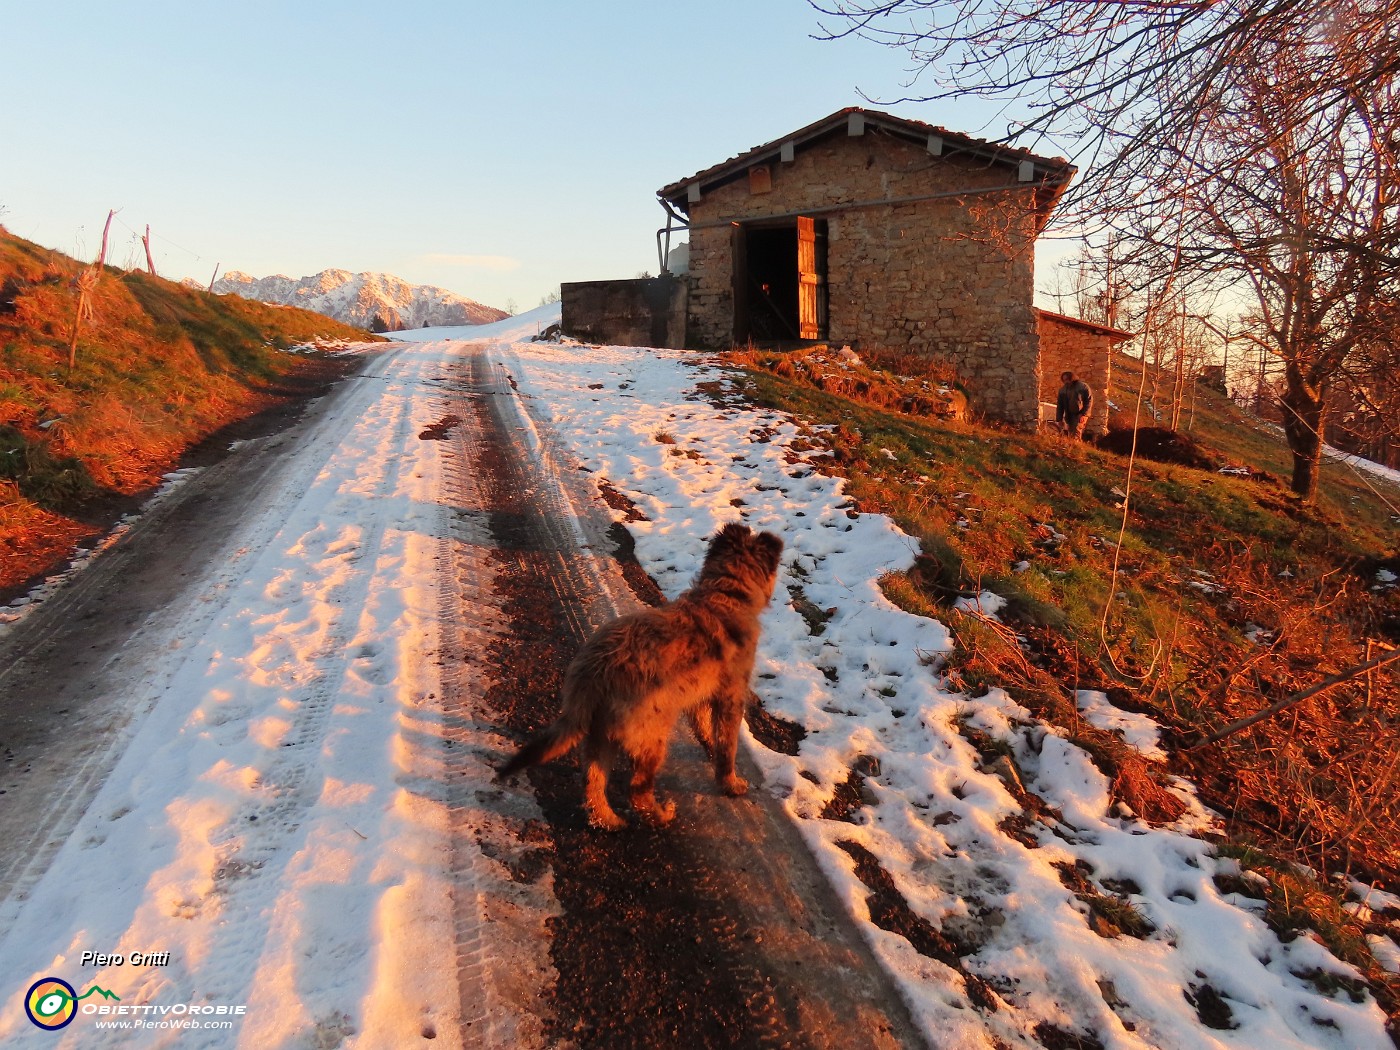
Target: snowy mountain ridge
378	301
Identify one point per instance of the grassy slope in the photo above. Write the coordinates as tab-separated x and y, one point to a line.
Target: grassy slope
1219	424
1199	567
158	367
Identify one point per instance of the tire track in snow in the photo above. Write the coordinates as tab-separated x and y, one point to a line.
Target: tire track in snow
502	889
721	927
221	860
284	686
300	710
136	603
266	851
105	727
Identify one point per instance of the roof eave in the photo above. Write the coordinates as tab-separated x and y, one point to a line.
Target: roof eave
1057	170
1117	335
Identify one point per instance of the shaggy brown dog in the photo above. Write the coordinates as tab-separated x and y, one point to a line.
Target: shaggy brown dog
636	675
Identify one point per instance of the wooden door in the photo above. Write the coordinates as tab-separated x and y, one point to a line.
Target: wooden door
808	279
739	262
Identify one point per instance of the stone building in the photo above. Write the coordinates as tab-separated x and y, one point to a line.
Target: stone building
877	231
1068	344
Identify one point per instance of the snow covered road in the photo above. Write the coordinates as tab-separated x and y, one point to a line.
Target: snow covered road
256	825
276	782
273	775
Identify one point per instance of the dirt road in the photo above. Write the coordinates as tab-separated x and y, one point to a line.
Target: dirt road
272	889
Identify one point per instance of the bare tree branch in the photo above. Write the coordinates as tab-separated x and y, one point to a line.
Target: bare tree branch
1230	144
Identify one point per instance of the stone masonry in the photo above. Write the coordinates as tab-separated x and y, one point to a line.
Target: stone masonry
646	311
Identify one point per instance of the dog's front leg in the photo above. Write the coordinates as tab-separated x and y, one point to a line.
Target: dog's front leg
727	715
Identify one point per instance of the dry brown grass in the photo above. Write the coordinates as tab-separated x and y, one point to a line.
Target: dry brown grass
901	383
157	367
1205	560
1324	774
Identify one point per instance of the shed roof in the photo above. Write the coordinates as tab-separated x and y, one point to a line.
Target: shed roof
1052	174
1115	335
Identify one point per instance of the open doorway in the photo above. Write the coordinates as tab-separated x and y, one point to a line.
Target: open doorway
780	281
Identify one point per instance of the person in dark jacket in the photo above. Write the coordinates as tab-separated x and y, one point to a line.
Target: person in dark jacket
1072	405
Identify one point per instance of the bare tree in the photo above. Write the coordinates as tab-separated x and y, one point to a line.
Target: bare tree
1118	77
1235	144
1089	285
1367	419
1309	221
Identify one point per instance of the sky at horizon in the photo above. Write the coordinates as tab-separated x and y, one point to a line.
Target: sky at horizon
492	151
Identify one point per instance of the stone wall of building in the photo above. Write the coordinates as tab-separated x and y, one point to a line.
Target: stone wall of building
646	311
1068	347
950	278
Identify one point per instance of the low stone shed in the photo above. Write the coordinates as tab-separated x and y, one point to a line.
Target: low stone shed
877	231
645	311
1070	344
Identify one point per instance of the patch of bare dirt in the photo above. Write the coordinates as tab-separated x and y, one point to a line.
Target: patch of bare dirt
1161	445
773	731
852	793
617	501
890	911
440	430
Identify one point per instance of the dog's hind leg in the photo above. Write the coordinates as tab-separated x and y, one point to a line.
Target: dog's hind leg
646	763
702	726
597	762
727	709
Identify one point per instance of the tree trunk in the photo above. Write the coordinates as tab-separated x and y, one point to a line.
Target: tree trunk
1303	406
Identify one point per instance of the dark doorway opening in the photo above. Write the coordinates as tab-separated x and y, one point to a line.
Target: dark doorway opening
780	281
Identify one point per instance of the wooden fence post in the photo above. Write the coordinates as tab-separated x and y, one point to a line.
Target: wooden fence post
106	227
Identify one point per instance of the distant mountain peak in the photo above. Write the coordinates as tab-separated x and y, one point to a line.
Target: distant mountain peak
378	301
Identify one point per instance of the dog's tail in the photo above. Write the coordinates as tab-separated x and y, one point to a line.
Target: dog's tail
548	744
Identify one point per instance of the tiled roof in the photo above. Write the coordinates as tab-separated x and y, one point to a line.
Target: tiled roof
1056	169
1117	335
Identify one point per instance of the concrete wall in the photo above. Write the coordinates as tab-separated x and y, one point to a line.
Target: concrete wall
1067	347
951	279
647	311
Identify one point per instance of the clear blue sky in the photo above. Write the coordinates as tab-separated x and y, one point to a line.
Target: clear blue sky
494	149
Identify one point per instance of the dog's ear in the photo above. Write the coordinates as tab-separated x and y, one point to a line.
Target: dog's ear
731	538
770	548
